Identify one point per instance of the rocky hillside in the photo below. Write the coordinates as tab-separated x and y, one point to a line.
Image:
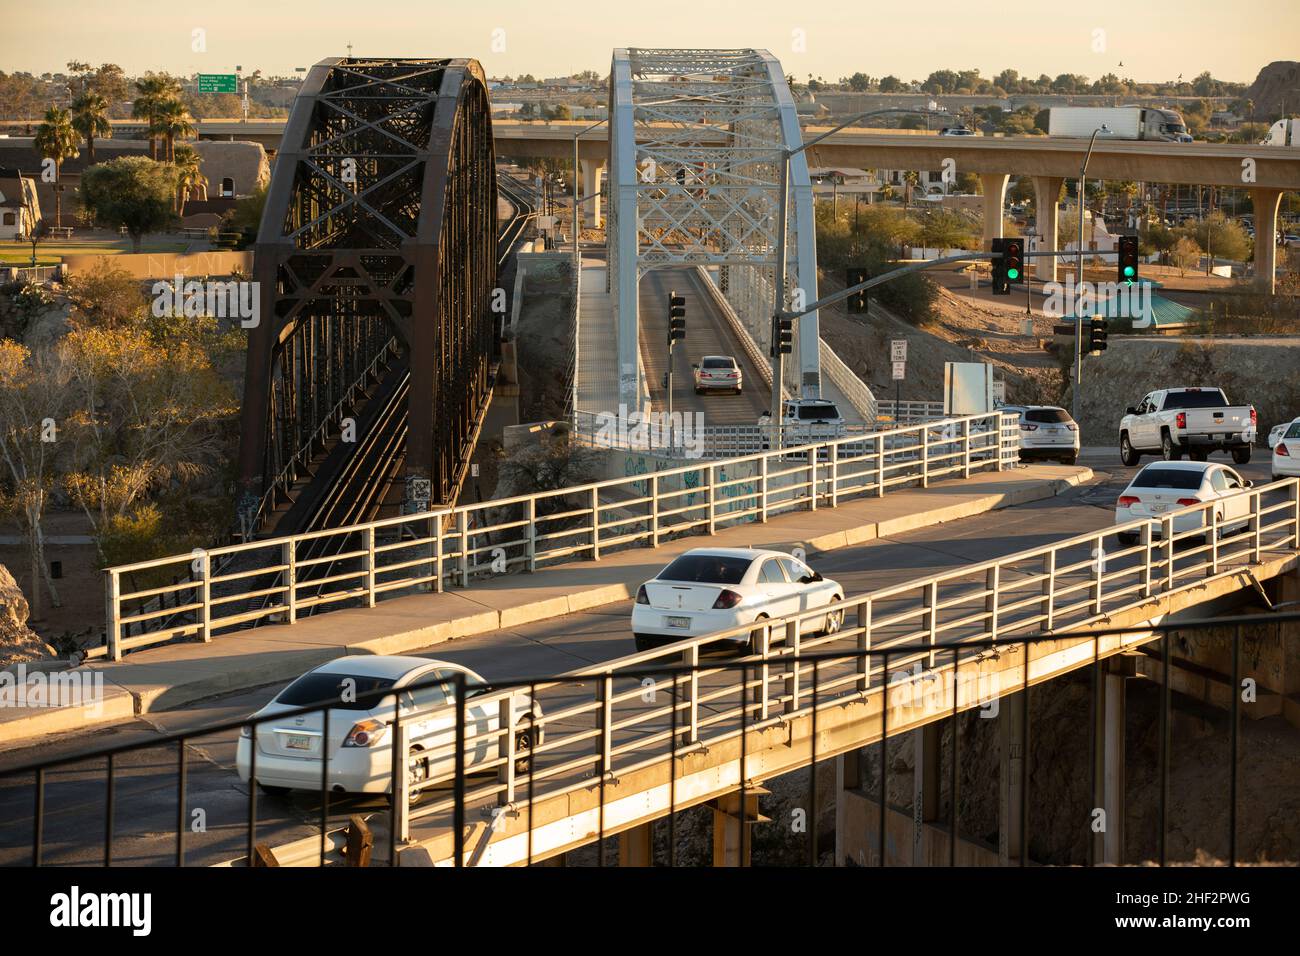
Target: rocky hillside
1276	88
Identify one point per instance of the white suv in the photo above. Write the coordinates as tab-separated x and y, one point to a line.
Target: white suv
807	420
1046	431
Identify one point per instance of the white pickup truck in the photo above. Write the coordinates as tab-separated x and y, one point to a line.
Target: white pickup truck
1197	421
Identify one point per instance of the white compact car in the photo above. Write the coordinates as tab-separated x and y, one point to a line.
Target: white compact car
1163	487
1046	431
714	589
807	420
717	372
359	748
1286	450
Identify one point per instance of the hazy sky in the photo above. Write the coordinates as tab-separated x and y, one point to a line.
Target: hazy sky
1155	39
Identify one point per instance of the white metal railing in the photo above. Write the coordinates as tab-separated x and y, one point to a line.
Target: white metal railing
608	725
842	377
278	579
907	411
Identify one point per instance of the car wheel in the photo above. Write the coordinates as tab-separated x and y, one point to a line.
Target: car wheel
1127	537
756	636
643	643
418	774
1068	460
1127	453
834	617
271	791
524	745
1241	455
1168	449
699	391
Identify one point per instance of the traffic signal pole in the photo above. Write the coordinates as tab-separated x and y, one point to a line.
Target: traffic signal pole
778	371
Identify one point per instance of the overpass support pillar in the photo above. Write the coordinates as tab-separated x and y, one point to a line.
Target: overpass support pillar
1264	203
850	842
925	786
636	846
728	818
1046	191
590	187
1013	736
994	187
1111	717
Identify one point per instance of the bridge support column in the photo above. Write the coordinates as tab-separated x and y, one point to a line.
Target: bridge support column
1046	191
1264	203
636	846
1111	717
728	818
850	842
925	786
994	186
590	188
1014	738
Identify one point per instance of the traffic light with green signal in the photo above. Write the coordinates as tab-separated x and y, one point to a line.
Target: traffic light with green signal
1128	259
1013	259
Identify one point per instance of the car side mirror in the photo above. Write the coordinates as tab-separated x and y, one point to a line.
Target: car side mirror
1247	483
766	412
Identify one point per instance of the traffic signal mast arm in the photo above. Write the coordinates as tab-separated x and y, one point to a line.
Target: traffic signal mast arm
884	277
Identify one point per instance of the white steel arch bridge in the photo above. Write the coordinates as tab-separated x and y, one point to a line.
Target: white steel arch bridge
696	139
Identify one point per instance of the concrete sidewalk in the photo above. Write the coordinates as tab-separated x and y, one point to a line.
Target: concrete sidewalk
170	676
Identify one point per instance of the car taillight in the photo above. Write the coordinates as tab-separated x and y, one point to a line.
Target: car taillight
1281	449
641	596
1126	500
1181	420
727	598
1029	428
1189	501
365	733
1253	417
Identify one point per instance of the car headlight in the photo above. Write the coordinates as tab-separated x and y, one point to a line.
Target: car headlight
365	733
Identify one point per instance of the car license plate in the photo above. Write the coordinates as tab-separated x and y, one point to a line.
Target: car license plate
1159	507
298	742
677	622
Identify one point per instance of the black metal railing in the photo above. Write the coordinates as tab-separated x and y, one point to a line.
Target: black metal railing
139	777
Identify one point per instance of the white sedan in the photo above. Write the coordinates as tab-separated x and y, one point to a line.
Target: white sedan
359	748
1164	487
717	372
1286	450
715	589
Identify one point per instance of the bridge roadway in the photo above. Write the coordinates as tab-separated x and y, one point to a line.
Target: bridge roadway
146	795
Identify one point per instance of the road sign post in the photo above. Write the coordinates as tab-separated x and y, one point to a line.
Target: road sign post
898	356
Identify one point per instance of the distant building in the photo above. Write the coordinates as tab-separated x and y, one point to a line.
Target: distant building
20	210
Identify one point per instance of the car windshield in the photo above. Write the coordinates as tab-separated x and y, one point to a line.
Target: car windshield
347	690
719	363
1182	479
820	410
706	569
1048	415
1293	431
1213	398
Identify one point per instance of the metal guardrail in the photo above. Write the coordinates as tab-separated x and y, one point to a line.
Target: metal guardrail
37	274
908	411
601	723
427	551
842	377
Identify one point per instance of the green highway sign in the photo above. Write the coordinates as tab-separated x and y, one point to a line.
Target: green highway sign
217	83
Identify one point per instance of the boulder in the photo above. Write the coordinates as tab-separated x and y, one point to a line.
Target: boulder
18	642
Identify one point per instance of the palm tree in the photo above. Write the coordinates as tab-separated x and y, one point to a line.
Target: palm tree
189	177
57	140
910	180
174	122
90	119
153	90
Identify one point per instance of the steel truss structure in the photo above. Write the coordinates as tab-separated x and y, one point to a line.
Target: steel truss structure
376	255
696	139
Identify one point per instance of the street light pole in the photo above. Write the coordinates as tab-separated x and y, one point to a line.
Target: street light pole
1029	277
1078	276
